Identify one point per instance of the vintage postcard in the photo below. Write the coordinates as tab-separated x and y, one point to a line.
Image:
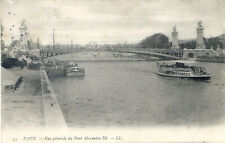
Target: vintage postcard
112	71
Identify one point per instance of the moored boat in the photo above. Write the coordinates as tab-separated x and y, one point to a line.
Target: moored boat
74	70
182	70
52	69
55	71
34	65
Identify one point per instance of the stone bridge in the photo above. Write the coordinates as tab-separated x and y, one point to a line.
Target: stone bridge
161	55
166	54
171	54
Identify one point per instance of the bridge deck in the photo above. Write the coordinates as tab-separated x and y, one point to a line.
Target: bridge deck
154	54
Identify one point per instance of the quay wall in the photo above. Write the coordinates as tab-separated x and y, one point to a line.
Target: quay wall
53	115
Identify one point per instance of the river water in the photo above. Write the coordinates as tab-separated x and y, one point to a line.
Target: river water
131	94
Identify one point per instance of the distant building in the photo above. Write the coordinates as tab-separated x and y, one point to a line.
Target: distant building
3	47
200	42
200	49
175	44
23	45
23	36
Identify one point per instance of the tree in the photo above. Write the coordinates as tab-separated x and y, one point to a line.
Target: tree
159	41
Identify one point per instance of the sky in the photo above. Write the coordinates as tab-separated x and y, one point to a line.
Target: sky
108	21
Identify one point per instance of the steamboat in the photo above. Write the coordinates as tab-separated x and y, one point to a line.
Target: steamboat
183	69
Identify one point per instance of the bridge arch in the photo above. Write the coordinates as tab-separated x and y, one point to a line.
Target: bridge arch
190	55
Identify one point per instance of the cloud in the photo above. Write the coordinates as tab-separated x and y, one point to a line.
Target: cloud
116	19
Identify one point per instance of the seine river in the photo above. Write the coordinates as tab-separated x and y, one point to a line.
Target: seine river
131	94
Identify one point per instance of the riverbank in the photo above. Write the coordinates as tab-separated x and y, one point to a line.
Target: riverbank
23	107
53	116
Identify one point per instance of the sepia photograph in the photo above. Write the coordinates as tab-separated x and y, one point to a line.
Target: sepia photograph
126	71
